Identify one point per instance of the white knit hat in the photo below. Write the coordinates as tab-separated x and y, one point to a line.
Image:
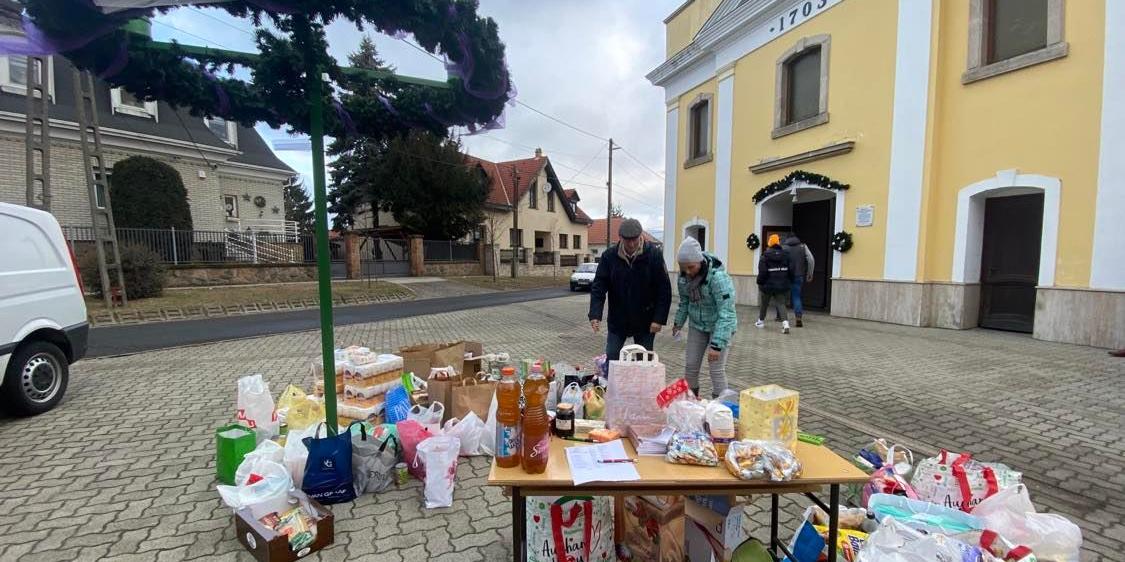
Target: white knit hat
690	251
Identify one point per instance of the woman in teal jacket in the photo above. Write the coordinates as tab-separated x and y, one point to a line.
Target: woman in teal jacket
707	299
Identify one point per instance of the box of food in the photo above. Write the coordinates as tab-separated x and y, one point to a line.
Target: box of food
712	536
301	529
653	532
769	413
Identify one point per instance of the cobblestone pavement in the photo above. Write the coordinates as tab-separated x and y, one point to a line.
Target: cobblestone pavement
124	469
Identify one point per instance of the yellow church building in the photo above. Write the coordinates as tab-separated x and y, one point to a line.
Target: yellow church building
950	163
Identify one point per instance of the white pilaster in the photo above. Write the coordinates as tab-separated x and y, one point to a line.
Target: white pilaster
671	161
908	140
724	117
1107	270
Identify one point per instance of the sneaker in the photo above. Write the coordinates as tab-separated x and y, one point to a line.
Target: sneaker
800	324
785	327
760	324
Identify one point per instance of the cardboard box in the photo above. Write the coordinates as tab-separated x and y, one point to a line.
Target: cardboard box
711	536
269	546
769	413
653	533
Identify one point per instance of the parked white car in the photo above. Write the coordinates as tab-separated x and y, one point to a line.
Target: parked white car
583	277
43	326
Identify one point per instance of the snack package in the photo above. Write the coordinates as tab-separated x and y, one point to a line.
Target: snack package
296	525
848	541
691	444
720	424
762	460
604	435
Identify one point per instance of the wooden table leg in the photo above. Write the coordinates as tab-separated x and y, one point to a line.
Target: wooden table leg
833	519
519	526
773	525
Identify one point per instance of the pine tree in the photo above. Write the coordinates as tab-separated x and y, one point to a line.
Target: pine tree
367	56
298	207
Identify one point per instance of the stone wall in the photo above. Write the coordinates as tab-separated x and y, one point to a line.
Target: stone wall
1081	316
237	274
454	269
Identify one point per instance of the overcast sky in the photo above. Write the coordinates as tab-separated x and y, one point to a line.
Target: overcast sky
578	60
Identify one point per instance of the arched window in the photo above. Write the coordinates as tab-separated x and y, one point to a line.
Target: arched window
802	86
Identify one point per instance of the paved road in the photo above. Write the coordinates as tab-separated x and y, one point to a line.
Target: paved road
120	340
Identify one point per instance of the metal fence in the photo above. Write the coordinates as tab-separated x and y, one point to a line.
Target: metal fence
568	260
449	251
544	258
210	246
506	255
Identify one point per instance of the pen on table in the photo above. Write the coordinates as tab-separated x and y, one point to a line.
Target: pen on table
614	461
579	439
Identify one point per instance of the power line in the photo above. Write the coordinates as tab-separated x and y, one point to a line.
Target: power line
222	21
550	151
561	122
645	166
586	165
204	39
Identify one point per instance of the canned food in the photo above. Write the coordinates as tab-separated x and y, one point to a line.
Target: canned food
401	474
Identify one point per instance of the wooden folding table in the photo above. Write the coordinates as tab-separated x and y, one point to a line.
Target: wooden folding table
820	467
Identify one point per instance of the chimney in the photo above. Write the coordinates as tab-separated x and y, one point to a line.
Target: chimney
538	152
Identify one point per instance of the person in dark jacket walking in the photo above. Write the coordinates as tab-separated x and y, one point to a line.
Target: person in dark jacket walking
775	278
801	262
633	277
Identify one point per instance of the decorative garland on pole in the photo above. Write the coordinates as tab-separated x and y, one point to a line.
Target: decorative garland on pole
373	104
842	241
801	176
753	242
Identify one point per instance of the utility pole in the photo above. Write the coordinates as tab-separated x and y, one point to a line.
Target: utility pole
609	198
517	240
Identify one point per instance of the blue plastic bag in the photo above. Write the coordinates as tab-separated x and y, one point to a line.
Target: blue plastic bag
328	471
397	405
923	516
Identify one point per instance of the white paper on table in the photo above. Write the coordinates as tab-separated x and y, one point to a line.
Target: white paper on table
584	465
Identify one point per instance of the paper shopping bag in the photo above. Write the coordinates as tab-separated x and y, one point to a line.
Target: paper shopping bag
472	395
634	384
232	443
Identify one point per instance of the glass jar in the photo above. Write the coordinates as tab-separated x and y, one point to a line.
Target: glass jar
564	420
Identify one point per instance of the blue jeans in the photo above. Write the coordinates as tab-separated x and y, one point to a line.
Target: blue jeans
795	293
614	342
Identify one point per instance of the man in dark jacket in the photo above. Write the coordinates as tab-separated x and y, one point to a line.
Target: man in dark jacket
633	276
775	278
801	262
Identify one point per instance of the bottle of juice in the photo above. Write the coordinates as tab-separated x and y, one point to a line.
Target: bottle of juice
508	419
536	425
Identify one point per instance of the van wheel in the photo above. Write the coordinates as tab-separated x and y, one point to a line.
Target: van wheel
35	380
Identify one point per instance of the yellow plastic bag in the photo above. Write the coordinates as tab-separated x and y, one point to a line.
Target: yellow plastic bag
300	410
593	401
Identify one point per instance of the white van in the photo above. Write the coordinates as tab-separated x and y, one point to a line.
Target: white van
43	326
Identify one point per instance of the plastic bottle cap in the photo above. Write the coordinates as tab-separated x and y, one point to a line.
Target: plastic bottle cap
508	371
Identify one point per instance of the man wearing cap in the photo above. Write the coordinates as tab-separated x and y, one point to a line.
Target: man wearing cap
633	276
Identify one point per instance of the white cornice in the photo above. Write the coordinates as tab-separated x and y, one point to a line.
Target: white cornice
725	40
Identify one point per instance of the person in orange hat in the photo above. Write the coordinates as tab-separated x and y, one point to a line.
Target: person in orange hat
774	281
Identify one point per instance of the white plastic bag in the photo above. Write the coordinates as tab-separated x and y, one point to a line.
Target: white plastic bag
468	431
1010	513
488	436
553	395
430	417
439	455
572	394
255	407
265	496
265	451
296	454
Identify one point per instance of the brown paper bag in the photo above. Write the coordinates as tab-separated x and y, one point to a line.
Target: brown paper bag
416	359
442	391
450	355
472	395
475	349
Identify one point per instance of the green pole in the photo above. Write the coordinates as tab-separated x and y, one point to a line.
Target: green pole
323	264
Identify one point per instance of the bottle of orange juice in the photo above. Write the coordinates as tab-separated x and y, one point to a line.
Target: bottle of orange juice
536	436
508	419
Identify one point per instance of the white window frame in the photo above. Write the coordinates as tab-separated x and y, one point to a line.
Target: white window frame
978	66
7	86
232	131
148	110
237	215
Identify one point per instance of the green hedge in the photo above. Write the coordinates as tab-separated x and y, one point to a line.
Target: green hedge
144	273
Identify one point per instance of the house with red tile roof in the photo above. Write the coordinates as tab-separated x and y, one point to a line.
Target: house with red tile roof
550	221
597	234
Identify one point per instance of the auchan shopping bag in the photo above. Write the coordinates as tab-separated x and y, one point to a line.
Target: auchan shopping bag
960	482
570	528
